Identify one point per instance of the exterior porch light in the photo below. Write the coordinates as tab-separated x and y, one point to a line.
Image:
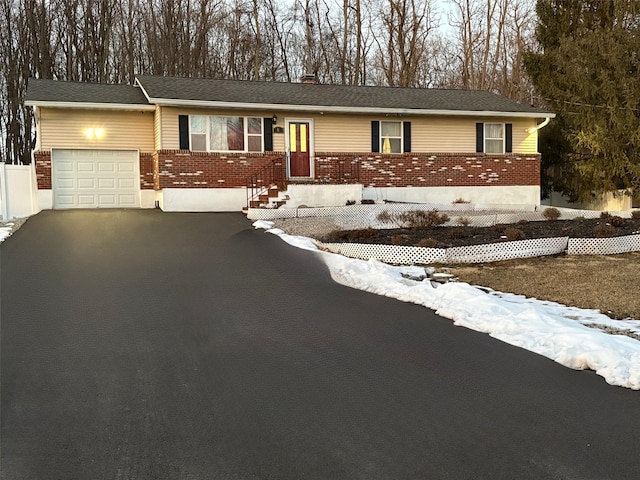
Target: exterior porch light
274	119
94	133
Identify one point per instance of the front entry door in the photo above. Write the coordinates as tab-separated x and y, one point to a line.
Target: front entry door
299	157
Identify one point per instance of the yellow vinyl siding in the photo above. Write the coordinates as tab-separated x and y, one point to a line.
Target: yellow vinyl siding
66	128
352	133
170	134
342	133
157	128
523	141
334	133
443	134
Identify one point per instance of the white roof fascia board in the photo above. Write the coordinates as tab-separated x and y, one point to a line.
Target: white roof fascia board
170	102
89	105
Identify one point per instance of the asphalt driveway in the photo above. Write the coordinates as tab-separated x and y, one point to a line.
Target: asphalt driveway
150	345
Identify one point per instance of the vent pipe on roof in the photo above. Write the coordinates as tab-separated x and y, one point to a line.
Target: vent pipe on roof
309	79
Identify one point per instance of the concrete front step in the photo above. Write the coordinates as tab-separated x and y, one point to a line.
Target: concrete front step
273	198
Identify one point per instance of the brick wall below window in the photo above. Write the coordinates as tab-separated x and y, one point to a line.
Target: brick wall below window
185	169
428	169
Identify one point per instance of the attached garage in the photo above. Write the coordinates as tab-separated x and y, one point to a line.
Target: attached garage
95	178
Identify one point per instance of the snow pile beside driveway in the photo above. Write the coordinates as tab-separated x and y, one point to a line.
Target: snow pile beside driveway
5	231
550	329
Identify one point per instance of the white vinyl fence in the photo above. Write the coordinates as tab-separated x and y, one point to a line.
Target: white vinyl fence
18	191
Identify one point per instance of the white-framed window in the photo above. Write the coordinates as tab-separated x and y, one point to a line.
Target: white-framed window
215	133
494	138
391	137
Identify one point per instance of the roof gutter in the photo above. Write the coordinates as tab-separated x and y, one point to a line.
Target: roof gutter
170	102
539	126
90	105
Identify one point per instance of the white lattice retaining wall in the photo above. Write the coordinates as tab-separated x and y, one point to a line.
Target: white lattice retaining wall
493	252
394	254
604	246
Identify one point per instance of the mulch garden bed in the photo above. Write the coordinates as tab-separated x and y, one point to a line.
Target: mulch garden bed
457	236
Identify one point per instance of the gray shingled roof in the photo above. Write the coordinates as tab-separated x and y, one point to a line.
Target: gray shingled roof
272	93
278	93
40	90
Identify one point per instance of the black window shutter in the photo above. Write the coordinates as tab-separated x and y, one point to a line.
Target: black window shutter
406	134
375	136
183	126
508	138
479	137
267	128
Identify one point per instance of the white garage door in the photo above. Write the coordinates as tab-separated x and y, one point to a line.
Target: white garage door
95	178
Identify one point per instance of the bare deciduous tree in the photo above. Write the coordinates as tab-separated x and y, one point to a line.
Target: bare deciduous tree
355	42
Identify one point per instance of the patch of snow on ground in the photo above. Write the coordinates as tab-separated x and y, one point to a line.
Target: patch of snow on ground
547	328
5	232
263	224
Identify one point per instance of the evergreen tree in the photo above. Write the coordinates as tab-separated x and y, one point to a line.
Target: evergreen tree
587	72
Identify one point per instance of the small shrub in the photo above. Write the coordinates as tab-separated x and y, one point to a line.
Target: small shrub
424	219
514	234
428	243
461	200
605	215
414	218
463	221
617	221
579	219
551	214
351	202
498	228
604	230
522	222
394	218
384	216
367	202
398	239
635	214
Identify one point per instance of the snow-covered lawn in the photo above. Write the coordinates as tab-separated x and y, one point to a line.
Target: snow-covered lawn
550	329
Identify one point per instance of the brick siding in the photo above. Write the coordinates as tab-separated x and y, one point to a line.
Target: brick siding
431	169
43	169
147	177
184	169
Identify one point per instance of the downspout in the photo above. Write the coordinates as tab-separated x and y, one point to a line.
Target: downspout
538	127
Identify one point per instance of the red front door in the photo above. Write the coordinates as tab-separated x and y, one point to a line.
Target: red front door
299	157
